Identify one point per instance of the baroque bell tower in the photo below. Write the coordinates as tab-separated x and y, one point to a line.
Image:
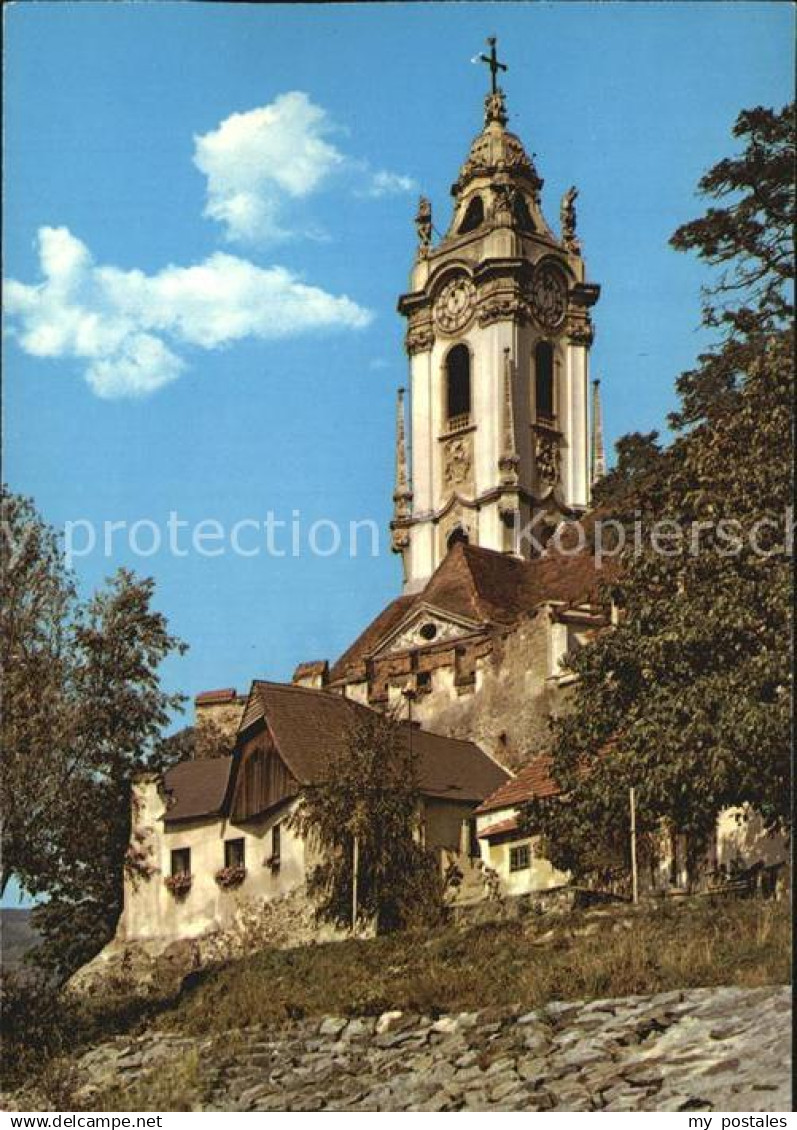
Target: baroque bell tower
498	339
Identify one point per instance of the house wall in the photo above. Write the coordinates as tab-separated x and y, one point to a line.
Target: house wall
741	837
442	820
152	912
540	876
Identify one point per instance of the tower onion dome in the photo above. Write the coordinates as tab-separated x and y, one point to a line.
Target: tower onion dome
496	150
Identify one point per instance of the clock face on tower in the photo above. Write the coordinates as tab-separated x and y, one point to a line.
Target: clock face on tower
454	304
549	296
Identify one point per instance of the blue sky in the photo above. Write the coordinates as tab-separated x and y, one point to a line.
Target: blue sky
183	171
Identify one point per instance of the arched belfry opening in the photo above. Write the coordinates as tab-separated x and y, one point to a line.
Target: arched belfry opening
457	535
474	216
457	370
545	409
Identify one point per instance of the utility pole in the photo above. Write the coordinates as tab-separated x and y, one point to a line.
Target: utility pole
634	876
354	881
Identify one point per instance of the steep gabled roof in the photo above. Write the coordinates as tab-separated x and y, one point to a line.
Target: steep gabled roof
481	585
310	726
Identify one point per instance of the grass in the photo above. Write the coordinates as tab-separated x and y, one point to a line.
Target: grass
705	943
528	962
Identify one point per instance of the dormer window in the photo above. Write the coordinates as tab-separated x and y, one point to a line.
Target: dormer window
543	384
457	372
474	216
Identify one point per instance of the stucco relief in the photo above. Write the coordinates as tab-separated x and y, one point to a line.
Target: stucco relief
423	630
458	462
419	338
549	296
547	456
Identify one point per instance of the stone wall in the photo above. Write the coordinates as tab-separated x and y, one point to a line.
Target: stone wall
506	709
721	1049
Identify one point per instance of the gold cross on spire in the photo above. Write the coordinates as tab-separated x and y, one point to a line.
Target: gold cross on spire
492	62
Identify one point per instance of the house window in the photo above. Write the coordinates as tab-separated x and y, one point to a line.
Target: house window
234	853
543	383
520	858
276	837
458	387
181	861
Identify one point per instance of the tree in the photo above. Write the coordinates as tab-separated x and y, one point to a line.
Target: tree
83	713
369	793
688	698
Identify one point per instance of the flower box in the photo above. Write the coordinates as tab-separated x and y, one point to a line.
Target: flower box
179	885
230	876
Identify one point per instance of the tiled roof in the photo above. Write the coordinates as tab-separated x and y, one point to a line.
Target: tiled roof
482	585
309	726
197	788
227	694
534	780
388	618
499	829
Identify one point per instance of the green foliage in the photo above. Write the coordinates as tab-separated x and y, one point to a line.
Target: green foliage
638	459
370	792
688	698
83	712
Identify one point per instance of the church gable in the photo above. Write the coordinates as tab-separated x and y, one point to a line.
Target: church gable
425	626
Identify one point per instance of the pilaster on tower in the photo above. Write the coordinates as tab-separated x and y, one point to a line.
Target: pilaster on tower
498	337
402	493
597	457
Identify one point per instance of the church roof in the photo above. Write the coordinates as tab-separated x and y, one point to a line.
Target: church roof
482	585
310	726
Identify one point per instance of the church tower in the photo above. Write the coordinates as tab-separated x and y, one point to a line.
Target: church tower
498	338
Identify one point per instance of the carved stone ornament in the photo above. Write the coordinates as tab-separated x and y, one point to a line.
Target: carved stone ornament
549	296
423	225
419	634
399	538
419	339
500	307
567	219
457	462
454	306
580	330
547	457
504	196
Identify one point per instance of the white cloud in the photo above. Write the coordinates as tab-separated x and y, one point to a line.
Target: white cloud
254	160
388	184
116	321
260	162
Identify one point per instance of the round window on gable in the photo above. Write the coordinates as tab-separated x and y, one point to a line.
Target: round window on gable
429	631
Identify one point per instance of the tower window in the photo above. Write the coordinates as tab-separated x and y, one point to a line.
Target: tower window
543	381
458	384
474	216
522	214
456	535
